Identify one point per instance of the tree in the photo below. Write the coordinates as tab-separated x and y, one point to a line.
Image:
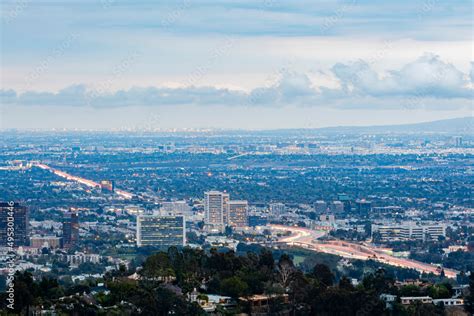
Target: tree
286	269
323	274
234	287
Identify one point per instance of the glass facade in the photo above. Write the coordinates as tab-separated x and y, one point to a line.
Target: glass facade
14	220
161	230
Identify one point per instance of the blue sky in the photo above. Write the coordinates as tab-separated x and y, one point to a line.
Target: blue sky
118	64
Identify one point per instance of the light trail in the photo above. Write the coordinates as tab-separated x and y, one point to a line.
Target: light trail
84	181
306	238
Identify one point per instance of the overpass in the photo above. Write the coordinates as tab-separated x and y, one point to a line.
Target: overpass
308	239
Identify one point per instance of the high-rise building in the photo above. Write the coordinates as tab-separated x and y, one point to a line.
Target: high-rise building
216	210
363	207
161	230
458	141
14	225
70	229
238	213
277	209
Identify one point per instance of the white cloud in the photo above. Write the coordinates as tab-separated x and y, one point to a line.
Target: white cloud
426	81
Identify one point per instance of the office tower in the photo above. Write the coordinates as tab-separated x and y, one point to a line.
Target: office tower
363	207
216	209
458	141
14	223
238	213
161	230
277	209
320	207
70	229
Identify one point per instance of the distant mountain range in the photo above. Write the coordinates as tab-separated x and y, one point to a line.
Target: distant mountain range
461	126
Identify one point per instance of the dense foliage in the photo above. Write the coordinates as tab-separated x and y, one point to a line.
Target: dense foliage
166	279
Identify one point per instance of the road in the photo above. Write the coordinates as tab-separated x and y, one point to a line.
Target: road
86	182
303	237
307	238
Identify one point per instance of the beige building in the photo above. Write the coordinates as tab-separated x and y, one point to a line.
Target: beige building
216	210
238	213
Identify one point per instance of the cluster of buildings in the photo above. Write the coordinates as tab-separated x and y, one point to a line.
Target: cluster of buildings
15	223
221	211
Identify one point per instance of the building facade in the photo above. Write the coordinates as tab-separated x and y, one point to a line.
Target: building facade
14	225
70	229
45	242
409	231
238	213
216	210
161	230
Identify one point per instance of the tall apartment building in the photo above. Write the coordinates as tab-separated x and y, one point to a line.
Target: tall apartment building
238	213
14	223
410	231
161	230
70	229
216	210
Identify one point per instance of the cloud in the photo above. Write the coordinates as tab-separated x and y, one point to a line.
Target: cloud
427	80
471	74
428	75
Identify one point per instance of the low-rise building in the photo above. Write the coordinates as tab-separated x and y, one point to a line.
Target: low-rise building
407	300
409	231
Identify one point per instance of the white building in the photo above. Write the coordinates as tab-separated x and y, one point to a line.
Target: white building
216	210
80	257
161	230
410	231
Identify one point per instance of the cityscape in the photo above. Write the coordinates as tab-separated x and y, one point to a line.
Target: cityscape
91	208
249	158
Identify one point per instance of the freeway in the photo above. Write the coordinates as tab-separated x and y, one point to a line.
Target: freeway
307	238
77	179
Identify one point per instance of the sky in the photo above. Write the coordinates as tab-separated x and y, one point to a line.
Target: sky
237	64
